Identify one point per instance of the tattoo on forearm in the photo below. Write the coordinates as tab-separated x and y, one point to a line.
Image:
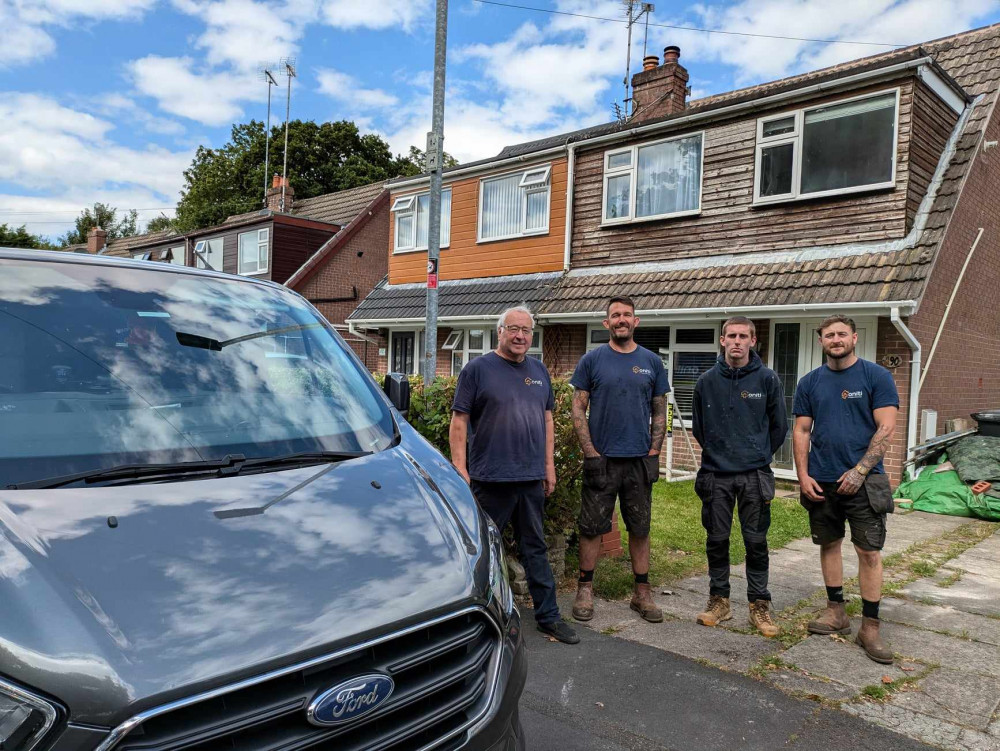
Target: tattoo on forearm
581	399
878	446
658	428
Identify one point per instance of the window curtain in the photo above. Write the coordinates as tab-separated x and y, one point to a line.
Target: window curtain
669	178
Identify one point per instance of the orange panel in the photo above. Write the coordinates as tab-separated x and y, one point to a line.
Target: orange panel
467	259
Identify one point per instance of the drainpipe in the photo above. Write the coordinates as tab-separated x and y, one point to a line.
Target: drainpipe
915	380
570	169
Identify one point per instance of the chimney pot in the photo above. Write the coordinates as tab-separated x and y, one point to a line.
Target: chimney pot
97	239
659	90
276	181
671	54
650	61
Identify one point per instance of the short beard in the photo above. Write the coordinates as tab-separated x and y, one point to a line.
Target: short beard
617	339
841	355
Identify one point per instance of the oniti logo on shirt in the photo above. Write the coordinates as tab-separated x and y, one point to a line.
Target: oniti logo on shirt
641	371
845	394
529	382
751	395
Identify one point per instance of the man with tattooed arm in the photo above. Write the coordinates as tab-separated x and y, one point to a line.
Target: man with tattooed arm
845	415
625	386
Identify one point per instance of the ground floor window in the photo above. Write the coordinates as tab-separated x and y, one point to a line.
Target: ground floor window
404	351
468	344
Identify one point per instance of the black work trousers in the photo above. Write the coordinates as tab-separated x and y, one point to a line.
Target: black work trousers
752	493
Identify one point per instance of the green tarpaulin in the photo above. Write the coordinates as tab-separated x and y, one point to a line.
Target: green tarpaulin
946	493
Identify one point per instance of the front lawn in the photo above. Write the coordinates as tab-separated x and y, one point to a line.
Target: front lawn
678	540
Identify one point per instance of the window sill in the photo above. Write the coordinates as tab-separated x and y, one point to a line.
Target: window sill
253	273
763	203
641	220
416	250
521	236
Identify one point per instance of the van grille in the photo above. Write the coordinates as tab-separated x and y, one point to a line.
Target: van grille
444	675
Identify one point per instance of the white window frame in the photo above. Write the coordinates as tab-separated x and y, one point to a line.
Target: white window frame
418	350
407	206
178	255
263	239
538	185
201	245
632	169
795	138
453	340
489	328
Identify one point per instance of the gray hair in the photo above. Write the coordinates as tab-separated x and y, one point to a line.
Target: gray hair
502	320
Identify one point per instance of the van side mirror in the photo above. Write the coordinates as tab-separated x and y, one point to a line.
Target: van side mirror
397	388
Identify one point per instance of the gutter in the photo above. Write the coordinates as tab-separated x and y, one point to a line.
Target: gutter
915	380
472	169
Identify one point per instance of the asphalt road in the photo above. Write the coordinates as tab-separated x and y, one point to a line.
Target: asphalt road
608	694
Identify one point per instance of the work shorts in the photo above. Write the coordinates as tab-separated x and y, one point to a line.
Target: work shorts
865	511
630	480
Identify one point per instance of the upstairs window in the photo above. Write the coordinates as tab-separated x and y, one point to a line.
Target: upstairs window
515	205
837	148
413	218
253	251
208	254
653	180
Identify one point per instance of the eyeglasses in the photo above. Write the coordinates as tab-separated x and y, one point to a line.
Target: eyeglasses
526	330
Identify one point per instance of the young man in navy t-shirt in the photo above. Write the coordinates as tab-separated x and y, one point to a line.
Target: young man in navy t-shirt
845	415
502	440
624	385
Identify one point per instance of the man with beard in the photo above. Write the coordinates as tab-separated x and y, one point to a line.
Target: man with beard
845	415
625	387
738	417
502	440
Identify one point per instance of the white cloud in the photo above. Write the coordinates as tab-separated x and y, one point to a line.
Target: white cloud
385	14
211	98
67	160
23	25
246	33
346	88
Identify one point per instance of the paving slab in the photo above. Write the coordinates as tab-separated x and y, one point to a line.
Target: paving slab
947	651
846	664
954	696
806	685
972	593
941	618
718	646
980	563
923	727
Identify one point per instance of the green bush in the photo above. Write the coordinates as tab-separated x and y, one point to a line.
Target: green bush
430	415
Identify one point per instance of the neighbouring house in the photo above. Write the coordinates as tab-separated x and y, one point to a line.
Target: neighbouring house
870	188
305	247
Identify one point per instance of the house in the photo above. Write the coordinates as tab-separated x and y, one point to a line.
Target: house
870	188
305	247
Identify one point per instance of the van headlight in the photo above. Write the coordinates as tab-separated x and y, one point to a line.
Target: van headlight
499	583
24	718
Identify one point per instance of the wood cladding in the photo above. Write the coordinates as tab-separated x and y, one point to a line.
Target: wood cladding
729	224
291	247
467	259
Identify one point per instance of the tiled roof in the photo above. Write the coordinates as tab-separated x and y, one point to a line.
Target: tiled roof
125	244
340	207
483	297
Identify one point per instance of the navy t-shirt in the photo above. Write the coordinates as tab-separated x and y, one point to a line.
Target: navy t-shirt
506	403
840	403
622	387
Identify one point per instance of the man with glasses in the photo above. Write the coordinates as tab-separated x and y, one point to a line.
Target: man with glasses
502	440
625	387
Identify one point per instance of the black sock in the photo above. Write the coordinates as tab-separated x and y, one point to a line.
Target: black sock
586	576
869	609
835	594
641	578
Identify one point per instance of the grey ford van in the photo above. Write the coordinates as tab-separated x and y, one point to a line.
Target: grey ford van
216	532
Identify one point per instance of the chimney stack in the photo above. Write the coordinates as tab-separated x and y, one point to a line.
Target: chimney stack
97	239
659	90
274	195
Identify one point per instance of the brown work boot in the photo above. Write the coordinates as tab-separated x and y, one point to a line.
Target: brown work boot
760	618
583	605
642	603
833	620
716	612
874	645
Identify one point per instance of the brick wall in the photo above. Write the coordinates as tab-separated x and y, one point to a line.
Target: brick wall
360	262
890	343
562	347
964	374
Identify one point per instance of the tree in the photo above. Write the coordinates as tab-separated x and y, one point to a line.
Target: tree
160	223
322	158
420	160
105	217
19	237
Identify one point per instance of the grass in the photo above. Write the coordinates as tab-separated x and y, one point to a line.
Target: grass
923	568
951	579
677	540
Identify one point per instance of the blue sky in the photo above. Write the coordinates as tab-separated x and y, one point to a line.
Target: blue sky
107	100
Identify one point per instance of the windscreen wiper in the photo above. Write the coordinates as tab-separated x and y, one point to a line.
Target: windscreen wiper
186	339
129	471
304	457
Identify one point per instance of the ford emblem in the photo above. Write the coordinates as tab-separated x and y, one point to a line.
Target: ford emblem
350	700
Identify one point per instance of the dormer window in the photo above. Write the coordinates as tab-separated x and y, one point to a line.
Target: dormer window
842	147
412	219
